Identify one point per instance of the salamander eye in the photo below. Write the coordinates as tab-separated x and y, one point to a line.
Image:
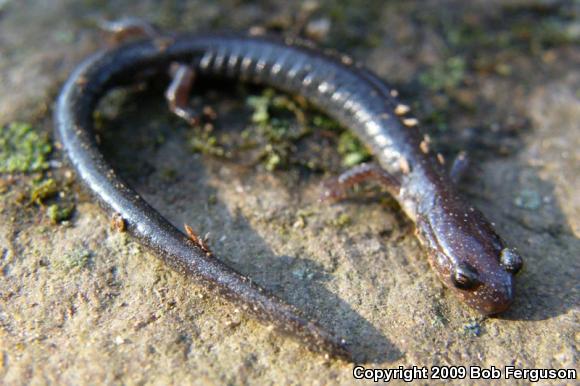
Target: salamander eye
510	260
465	277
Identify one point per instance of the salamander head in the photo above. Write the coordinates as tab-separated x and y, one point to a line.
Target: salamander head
488	286
472	260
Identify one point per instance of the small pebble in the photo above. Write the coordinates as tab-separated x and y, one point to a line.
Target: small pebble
528	199
318	29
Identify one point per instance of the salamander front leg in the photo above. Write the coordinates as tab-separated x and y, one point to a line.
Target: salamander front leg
336	189
459	167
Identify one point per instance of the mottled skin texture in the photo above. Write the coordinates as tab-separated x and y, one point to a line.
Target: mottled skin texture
466	254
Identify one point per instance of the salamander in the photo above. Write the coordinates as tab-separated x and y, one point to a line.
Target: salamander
463	248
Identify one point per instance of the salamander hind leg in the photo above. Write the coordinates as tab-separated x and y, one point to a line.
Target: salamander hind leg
177	93
336	189
182	76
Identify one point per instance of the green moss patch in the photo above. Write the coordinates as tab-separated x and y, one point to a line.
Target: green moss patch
43	190
23	149
59	212
74	260
445	76
49	192
283	131
283	121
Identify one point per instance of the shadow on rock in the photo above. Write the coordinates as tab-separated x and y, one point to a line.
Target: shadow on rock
146	151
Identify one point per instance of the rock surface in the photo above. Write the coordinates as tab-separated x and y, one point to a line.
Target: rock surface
82	303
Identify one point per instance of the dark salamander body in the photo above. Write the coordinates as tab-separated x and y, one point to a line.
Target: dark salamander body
468	255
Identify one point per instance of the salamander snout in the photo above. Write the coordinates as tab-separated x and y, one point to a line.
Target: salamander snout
489	293
494	296
490	288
